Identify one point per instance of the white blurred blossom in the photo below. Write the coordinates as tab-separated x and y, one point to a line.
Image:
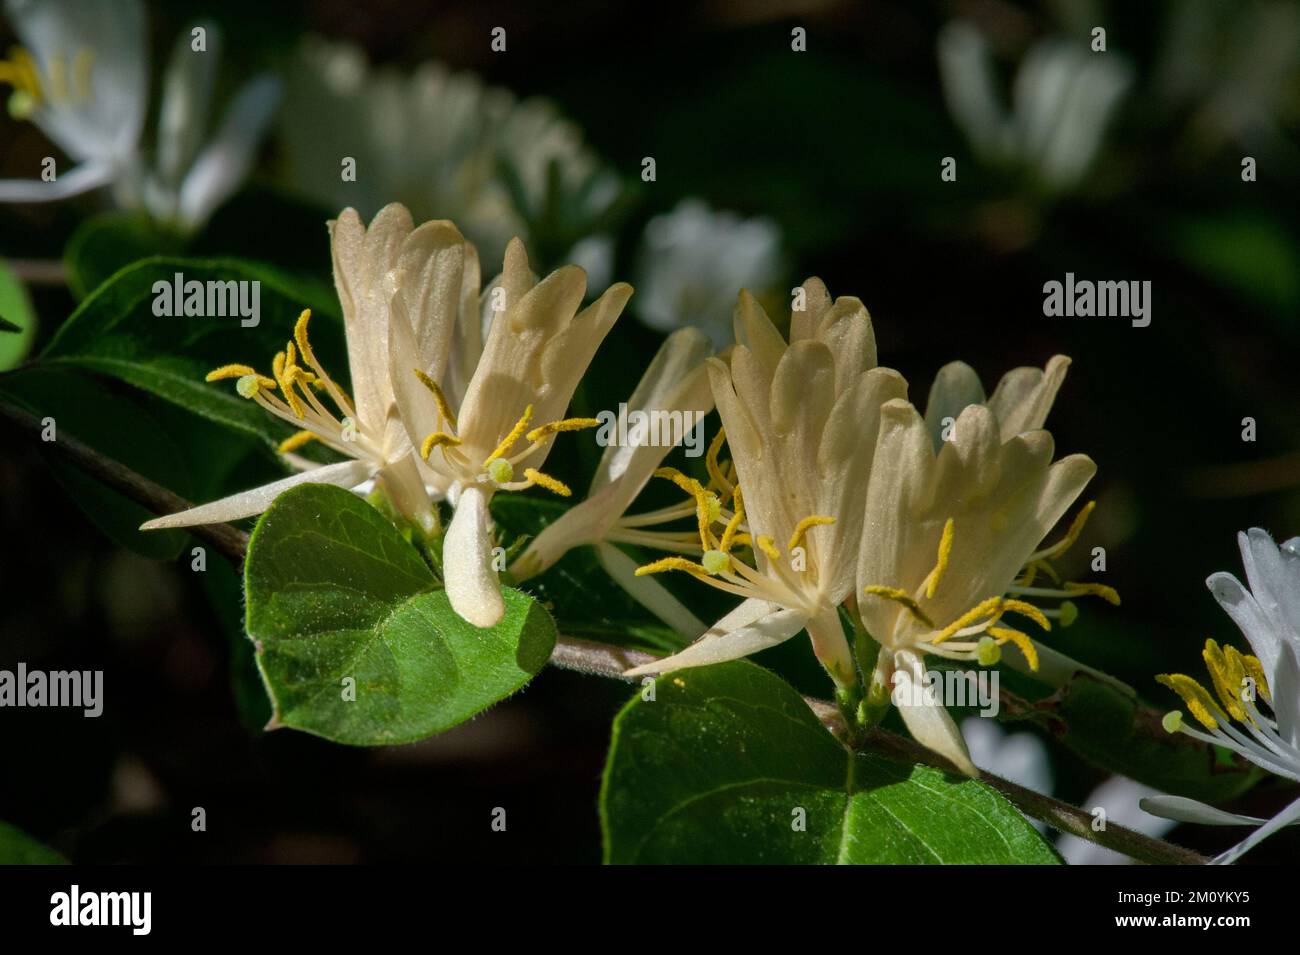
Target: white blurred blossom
694	259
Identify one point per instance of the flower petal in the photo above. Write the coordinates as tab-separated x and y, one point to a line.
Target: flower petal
472	585
649	592
926	718
1289	816
1182	809
247	503
753	626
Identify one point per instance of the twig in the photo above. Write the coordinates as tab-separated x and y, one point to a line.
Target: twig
230	541
604	660
39	271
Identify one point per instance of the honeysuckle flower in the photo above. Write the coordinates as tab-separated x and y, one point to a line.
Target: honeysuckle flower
1063	100
794	417
1268	615
951	535
82	77
498	404
675	386
438	141
693	259
392	265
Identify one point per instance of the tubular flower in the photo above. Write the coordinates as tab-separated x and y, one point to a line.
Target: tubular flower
390	265
794	416
1268	614
486	423
675	388
950	538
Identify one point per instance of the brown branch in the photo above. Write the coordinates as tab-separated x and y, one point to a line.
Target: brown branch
604	660
230	541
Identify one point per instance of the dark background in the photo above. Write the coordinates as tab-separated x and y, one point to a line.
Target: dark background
840	145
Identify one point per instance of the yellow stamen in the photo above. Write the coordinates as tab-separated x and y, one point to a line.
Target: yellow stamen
1029	610
548	482
296	441
1071	535
993	607
672	563
1255	670
1225	677
282	362
1196	697
300	336
1021	640
733	525
515	434
229	371
439	399
902	597
567	424
802	528
437	440
945	551
711	461
704	511
768	547
19	71
1108	594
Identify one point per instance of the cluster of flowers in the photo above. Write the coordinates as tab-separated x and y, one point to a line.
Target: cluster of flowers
838	495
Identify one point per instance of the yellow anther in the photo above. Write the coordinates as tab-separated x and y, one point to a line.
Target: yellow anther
567	424
987	652
1172	721
19	71
992	607
941	564
802	528
296	441
768	547
672	563
300	336
704	513
1071	535
1225	677
439	439
1029	610
1255	670
439	399
548	482
733	525
279	366
711	461
1196	697
1021	640
509	440
501	471
1108	594
686	483
902	597
716	561
229	371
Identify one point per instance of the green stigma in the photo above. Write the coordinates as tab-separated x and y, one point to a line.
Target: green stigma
247	386
501	471
716	561
1069	613
988	652
1172	721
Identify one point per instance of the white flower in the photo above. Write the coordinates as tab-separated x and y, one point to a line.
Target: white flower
675	386
951	534
1268	615
440	142
469	420
390	266
1063	100
693	259
1119	797
794	416
82	77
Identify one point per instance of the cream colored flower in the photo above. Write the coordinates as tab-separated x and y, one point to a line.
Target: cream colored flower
794	416
497	404
390	265
674	388
954	517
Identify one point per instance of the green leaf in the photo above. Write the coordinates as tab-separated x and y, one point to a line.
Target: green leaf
717	767
334	592
107	243
18	848
17	320
115	332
